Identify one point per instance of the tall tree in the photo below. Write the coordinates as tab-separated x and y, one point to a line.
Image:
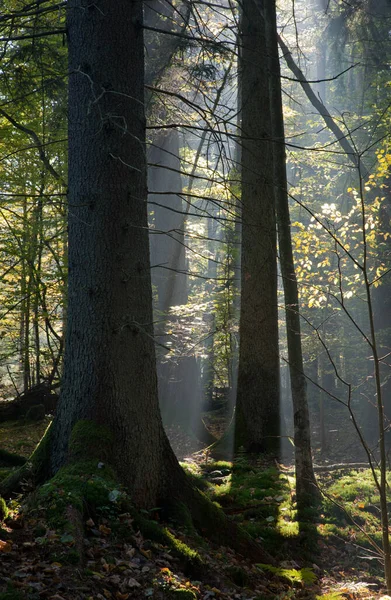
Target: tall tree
306	488
109	366
109	371
257	416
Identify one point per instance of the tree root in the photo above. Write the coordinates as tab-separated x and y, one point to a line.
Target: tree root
209	519
35	470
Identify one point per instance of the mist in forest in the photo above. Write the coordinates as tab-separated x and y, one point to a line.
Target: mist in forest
336	118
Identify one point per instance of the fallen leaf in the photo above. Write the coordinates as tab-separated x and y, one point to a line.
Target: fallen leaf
5	546
105	530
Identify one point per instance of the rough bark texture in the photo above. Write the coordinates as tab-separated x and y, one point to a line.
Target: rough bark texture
110	368
110	371
257	422
305	480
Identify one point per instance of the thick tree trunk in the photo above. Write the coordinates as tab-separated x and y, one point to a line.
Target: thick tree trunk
305	479
109	367
110	370
257	414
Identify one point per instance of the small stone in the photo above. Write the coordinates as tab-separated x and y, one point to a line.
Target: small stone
132	583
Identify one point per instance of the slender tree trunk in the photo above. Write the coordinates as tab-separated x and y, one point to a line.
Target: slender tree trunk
306	488
23	292
257	411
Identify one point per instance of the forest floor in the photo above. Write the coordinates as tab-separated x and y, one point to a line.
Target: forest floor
331	555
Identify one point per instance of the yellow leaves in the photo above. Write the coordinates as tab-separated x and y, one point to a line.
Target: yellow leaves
104	530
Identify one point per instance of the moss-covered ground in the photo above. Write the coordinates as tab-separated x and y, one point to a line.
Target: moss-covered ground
79	537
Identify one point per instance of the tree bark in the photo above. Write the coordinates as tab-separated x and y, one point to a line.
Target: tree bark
257	410
306	488
109	369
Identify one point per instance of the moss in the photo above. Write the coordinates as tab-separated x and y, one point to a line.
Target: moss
3	509
179	513
89	440
182	594
40	458
85	484
198	481
189	558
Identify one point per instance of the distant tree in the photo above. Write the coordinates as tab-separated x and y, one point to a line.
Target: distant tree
306	488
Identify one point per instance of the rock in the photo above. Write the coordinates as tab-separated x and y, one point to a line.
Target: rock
218	480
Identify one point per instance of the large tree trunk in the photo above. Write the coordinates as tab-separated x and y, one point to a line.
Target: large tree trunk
110	370
306	488
257	415
109	366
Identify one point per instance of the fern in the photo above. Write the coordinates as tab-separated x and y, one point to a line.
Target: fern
303	576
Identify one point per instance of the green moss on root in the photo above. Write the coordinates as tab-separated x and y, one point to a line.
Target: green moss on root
180	514
85	485
189	558
89	440
3	509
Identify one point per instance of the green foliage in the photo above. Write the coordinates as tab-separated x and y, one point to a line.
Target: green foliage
301	576
331	596
3	509
180	515
352	486
195	476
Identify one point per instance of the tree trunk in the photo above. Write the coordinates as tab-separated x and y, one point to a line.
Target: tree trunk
109	369
257	413
109	364
305	479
